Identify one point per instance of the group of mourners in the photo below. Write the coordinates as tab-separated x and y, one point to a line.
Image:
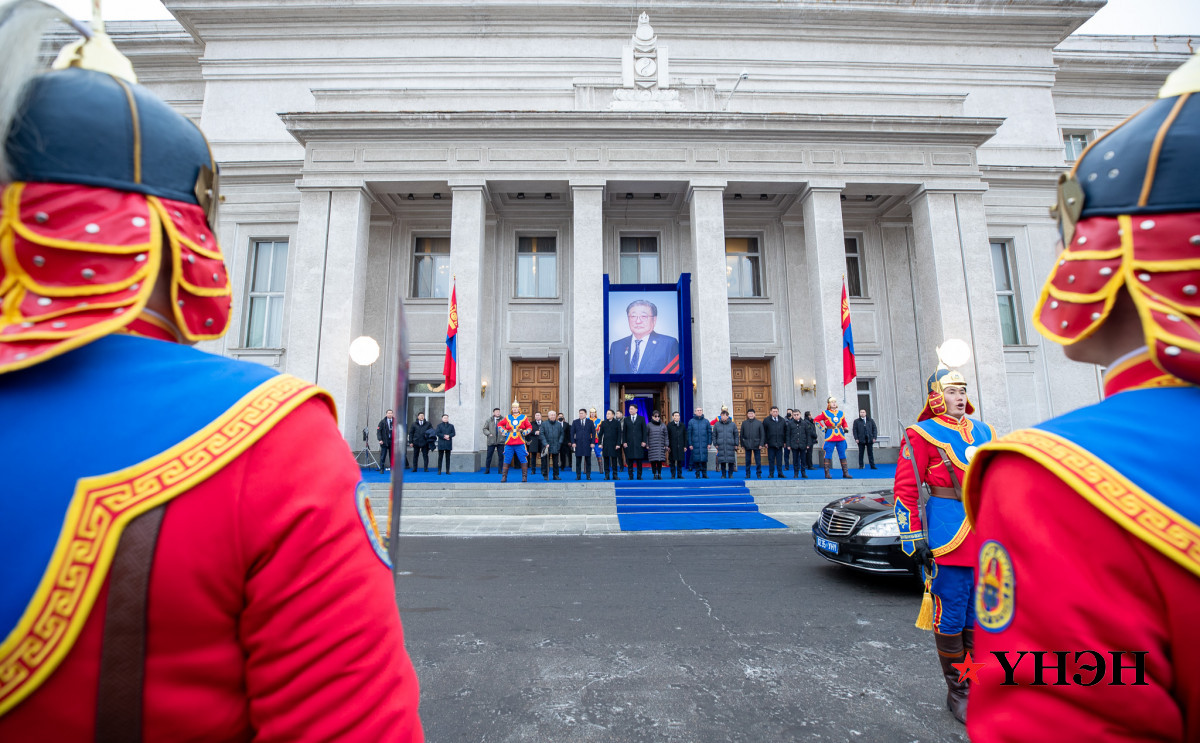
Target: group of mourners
630	442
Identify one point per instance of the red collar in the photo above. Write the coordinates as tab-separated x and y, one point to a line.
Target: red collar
1138	371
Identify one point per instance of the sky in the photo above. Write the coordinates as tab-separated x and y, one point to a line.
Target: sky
1135	17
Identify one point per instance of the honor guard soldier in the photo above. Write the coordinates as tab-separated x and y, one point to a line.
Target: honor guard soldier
833	423
929	474
516	427
205	569
1089	523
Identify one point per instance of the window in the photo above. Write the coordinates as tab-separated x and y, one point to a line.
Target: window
431	267
427	398
264	321
742	276
537	267
1006	296
1074	144
639	260
854	279
866	398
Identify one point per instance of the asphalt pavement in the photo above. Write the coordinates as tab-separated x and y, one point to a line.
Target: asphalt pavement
685	637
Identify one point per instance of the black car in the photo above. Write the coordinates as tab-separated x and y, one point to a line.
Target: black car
860	532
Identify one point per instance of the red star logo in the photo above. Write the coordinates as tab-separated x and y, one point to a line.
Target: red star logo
967	669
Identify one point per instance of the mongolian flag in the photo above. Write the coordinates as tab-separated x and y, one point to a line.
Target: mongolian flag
849	369
450	365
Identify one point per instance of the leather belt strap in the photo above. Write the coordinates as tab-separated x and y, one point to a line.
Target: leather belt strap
123	652
938	491
953	477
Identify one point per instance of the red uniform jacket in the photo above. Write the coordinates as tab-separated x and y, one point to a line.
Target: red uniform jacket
833	430
964	545
1070	578
1082	583
270	616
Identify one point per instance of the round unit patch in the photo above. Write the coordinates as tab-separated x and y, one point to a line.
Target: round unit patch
362	499
995	593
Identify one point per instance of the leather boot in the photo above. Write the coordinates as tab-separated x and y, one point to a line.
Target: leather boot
524	471
828	463
846	471
504	473
968	635
951	650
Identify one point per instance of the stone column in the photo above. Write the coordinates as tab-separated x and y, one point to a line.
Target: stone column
825	253
587	294
955	293
327	305
711	354
468	220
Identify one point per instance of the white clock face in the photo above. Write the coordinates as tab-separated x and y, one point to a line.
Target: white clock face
645	67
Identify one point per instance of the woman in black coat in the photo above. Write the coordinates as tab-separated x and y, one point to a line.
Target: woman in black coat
609	436
677	443
810	438
445	442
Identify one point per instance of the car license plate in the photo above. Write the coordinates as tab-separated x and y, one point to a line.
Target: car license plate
827	545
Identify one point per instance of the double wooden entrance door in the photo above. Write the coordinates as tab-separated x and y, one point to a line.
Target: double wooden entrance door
535	386
751	389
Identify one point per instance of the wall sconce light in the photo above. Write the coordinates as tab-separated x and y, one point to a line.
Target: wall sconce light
520	194
411	197
628	196
808	387
763	197
658	197
437	196
483	389
693	384
737	196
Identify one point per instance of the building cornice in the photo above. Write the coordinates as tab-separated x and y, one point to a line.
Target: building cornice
1030	22
675	126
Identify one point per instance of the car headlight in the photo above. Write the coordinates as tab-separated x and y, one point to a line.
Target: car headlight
881	528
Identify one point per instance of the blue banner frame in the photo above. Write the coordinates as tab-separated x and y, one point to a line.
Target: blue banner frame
683	296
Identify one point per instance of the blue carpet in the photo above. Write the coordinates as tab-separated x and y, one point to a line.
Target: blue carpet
666	505
885	472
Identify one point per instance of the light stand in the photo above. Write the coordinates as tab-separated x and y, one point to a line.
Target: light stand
364	351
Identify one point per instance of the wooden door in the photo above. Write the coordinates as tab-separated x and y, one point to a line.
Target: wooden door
751	389
535	386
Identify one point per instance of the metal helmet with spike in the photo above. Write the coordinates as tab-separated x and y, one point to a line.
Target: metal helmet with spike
106	186
1129	214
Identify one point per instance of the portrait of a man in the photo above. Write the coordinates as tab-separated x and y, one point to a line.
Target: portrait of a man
643	351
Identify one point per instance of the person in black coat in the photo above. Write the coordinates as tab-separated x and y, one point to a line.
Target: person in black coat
810	439
753	438
386	433
775	430
797	439
609	436
677	442
445	442
583	433
633	441
534	443
865	433
418	439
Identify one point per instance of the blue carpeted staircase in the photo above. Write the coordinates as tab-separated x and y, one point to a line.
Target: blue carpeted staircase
688	504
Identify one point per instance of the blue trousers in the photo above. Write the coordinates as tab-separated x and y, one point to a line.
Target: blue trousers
518	450
953	590
841	449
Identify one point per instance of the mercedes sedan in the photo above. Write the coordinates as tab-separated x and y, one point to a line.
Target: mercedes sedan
860	532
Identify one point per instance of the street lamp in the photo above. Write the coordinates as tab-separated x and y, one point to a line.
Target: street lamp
364	351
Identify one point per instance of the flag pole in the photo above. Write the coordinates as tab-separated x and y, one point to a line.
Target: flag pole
453	291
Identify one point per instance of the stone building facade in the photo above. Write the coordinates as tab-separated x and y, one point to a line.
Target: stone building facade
372	150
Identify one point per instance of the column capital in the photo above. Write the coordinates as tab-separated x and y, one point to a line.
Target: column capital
821	186
948	187
467	184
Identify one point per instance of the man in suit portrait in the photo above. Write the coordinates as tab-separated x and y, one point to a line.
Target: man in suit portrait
643	351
